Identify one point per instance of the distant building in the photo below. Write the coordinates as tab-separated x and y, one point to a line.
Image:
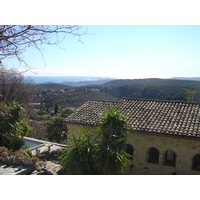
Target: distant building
95	90
166	136
62	91
34	104
190	95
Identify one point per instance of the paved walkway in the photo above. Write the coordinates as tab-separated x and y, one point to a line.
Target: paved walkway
13	170
53	166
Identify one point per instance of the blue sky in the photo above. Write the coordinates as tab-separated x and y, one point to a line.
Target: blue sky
124	51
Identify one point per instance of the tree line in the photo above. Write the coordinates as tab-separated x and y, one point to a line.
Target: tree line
161	92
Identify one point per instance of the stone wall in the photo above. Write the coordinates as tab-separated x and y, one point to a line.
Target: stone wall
76	129
184	148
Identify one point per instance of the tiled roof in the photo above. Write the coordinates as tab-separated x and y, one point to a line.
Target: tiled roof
89	112
154	116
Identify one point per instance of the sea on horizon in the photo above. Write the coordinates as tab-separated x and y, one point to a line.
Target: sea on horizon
60	79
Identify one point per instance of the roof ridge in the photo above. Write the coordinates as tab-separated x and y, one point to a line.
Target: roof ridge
157	100
105	100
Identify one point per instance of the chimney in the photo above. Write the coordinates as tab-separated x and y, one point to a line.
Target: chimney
190	95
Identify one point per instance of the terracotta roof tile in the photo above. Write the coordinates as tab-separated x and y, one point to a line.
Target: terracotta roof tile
167	117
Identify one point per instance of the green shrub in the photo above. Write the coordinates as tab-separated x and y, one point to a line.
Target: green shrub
55	129
65	112
15	143
44	117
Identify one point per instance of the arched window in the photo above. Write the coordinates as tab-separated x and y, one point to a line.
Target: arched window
170	158
129	150
196	162
153	156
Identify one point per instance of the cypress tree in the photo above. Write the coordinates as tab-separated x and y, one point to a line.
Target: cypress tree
56	109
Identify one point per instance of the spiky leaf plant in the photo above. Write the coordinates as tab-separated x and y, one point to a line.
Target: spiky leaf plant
78	159
111	156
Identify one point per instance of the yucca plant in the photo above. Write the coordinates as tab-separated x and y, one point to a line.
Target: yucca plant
111	156
78	158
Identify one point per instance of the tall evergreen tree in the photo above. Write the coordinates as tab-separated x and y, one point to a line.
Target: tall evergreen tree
56	109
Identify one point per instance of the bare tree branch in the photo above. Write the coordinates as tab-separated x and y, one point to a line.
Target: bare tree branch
16	39
13	87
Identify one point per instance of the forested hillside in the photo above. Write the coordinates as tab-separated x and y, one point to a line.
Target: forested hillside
55	86
67	96
153	81
162	89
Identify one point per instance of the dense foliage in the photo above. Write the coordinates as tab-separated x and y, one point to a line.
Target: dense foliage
56	129
12	125
153	81
73	97
161	92
54	86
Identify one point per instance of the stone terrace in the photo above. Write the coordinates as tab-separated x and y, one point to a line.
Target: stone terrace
154	116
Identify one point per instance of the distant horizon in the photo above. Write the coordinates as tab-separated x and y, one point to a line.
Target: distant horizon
61	79
111	76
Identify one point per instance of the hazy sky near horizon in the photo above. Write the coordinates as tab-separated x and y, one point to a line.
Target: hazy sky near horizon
124	51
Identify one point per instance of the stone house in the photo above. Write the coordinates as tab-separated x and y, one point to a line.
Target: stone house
166	136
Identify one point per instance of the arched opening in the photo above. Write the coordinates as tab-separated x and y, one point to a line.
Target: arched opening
170	158
196	162
153	155
129	150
